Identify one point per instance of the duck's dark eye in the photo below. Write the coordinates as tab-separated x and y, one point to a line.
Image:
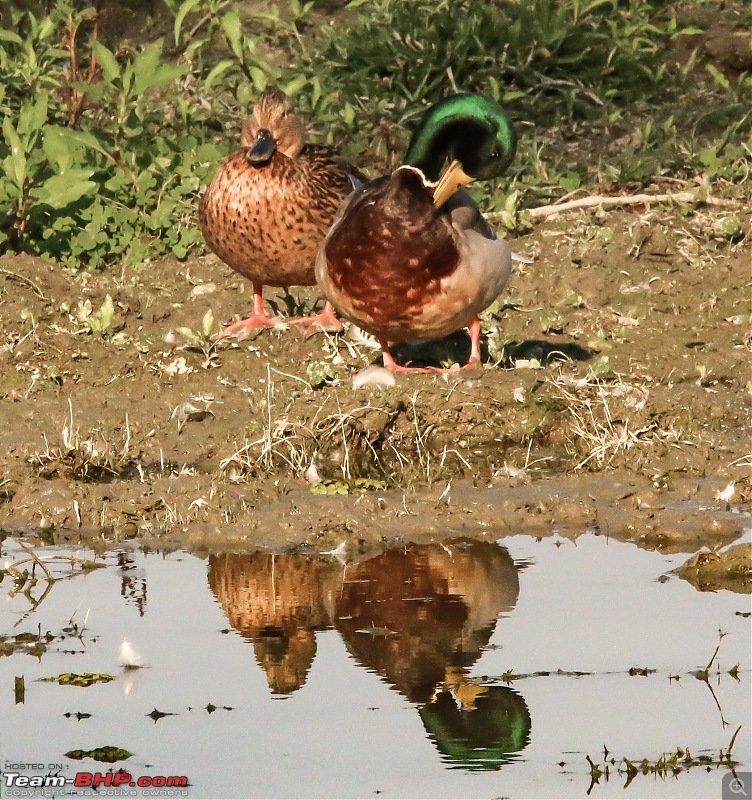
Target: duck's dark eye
495	154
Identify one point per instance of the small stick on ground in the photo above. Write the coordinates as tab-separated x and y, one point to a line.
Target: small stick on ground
15	276
627	200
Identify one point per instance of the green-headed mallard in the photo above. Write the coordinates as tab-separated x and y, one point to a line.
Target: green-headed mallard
410	256
270	205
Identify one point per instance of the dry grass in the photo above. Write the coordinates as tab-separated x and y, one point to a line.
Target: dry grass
281	443
598	433
368	441
93	457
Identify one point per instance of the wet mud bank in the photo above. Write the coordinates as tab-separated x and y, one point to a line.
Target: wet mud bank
613	399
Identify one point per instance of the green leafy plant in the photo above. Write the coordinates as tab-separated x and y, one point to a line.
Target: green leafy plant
319	373
113	183
353	486
106	146
203	339
101	322
523	53
107	754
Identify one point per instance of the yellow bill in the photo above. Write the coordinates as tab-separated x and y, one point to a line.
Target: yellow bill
454	178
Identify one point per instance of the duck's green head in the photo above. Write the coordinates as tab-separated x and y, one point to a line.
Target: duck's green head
468	128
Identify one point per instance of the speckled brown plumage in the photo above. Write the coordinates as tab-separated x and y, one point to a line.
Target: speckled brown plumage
266	216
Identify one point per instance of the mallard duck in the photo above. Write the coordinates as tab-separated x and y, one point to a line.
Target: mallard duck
409	256
270	205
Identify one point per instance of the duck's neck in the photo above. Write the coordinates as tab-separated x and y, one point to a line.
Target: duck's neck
455	128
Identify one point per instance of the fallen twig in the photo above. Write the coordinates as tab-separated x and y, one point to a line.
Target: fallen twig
37	291
627	200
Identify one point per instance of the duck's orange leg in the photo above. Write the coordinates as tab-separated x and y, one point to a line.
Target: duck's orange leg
393	366
259	318
473	362
323	321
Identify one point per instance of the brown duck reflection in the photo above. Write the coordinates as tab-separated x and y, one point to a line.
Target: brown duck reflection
420	616
276	602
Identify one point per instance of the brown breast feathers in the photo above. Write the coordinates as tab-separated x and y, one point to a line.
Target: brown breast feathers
267	221
393	250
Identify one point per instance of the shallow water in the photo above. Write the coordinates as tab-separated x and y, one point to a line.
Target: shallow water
385	677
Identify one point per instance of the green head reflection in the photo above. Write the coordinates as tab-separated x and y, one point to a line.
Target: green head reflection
481	734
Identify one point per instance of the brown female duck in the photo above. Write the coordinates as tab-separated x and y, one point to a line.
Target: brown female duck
270	205
410	256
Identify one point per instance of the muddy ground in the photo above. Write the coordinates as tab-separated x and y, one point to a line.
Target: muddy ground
614	398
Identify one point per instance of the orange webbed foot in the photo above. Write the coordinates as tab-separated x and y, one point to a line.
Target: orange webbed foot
324	321
245	327
474	363
257	321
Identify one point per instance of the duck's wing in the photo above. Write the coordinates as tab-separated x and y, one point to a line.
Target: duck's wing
386	252
466	215
327	157
485	260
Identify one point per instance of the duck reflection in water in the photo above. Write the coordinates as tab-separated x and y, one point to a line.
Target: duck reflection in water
441	603
275	601
419	617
